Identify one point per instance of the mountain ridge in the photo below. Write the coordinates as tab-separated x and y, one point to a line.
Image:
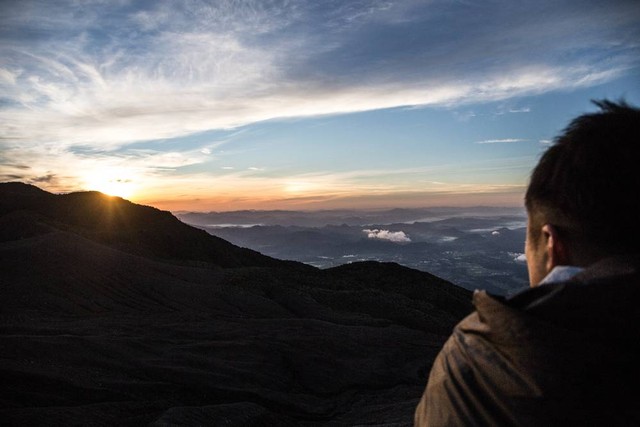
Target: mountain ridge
133	228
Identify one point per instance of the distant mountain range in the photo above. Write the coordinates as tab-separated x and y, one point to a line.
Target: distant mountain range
113	313
352	217
477	248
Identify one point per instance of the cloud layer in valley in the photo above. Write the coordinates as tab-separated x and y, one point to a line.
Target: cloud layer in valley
392	236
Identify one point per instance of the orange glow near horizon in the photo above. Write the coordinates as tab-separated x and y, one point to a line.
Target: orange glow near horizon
280	193
511	198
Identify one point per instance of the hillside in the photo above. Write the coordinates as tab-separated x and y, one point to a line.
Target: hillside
136	229
113	313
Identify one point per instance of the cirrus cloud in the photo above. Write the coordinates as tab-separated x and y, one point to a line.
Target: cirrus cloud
110	73
90	83
499	141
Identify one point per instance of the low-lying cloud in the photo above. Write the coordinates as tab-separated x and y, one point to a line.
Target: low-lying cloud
392	236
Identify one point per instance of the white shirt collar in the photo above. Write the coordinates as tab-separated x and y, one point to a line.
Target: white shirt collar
561	273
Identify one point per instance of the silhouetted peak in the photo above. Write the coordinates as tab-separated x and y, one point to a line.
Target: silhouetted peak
7	188
16	191
138	229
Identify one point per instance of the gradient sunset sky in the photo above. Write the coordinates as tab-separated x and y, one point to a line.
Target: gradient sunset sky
225	105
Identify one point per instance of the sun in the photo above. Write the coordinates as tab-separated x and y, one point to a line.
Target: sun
113	181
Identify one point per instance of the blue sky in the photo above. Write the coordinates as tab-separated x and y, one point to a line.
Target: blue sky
222	105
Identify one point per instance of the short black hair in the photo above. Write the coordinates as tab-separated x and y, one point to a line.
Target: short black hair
587	183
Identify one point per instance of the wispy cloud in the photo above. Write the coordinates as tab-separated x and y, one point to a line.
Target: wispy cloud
512	110
105	76
110	74
500	141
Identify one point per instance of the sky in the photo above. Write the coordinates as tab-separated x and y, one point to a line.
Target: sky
278	104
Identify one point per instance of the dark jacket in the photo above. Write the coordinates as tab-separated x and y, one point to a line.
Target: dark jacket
558	354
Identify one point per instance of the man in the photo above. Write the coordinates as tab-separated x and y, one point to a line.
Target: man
565	351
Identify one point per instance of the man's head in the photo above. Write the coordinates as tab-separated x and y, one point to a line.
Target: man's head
583	199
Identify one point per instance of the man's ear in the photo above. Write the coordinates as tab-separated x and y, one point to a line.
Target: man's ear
555	248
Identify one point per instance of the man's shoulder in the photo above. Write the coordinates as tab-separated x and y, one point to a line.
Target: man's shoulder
602	293
558	352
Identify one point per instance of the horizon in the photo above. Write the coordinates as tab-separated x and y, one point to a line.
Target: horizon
368	105
383	209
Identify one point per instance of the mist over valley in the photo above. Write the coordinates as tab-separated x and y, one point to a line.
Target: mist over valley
476	248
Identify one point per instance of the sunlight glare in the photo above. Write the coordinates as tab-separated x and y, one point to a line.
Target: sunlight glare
298	187
113	182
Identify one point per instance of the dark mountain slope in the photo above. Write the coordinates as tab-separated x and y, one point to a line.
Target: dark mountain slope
64	273
94	333
133	228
